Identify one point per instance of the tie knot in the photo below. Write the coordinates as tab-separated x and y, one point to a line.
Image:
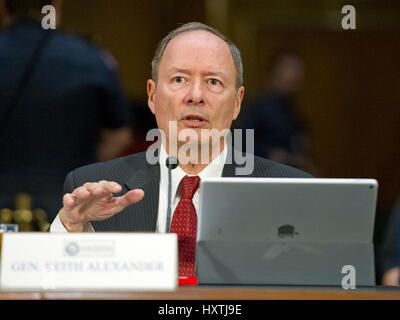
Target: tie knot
189	186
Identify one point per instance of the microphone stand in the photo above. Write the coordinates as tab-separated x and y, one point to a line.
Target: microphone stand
171	163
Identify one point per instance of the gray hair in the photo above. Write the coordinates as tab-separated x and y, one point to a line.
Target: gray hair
192	26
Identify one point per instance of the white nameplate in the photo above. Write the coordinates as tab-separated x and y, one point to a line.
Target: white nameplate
108	261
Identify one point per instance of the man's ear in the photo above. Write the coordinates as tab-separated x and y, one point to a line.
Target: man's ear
151	92
238	102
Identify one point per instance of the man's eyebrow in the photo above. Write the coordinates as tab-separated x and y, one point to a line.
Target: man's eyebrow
216	74
186	71
178	70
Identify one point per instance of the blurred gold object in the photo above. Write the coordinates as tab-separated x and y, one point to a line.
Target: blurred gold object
24	219
41	219
23	201
6	216
23	215
28	219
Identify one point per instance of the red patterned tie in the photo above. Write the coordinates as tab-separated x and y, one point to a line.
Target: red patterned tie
184	224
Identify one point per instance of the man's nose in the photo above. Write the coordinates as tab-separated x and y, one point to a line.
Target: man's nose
196	94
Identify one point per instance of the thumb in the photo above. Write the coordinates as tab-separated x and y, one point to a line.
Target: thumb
130	197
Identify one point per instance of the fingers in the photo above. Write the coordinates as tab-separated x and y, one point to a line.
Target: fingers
99	189
95	201
102	187
111	206
68	200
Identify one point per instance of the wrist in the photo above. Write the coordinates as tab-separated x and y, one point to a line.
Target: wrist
71	226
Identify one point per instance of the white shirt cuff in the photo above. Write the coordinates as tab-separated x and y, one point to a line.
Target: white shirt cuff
58	227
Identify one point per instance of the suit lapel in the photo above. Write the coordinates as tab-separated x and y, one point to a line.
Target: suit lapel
231	165
142	216
229	170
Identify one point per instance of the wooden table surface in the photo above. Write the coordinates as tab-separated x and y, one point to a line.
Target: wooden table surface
215	293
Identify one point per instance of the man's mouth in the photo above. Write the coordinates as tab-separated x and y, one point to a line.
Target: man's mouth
193	120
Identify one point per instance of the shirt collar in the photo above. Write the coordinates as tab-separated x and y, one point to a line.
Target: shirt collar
213	169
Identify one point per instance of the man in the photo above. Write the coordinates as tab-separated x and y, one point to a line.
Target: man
281	134
389	251
196	85
61	105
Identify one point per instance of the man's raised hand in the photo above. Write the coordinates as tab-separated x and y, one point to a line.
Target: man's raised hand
94	201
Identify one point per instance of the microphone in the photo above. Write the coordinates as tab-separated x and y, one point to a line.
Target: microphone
171	163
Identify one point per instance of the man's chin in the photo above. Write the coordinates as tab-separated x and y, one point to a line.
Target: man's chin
201	145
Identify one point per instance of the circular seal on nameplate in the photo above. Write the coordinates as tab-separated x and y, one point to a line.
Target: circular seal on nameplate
72	249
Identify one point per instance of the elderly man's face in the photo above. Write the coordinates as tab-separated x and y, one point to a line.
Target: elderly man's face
196	85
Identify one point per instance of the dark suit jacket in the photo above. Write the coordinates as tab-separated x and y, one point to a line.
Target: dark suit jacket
134	172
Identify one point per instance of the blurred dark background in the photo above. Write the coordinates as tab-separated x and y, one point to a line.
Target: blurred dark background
349	100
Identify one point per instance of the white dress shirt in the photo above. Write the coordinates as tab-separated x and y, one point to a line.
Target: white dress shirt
214	169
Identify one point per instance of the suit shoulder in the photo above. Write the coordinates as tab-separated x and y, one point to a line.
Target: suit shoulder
268	168
113	170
